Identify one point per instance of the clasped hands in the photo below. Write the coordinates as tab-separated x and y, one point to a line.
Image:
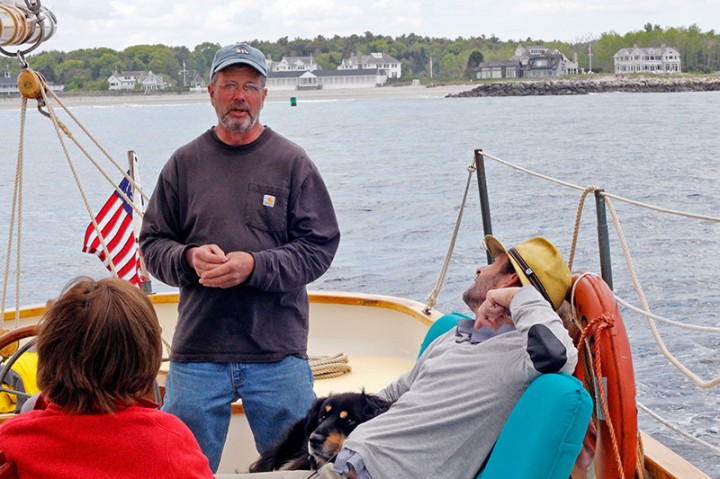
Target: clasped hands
495	310
217	269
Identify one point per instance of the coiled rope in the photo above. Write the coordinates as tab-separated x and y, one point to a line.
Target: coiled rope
324	367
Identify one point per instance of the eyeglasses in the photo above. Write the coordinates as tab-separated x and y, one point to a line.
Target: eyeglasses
231	87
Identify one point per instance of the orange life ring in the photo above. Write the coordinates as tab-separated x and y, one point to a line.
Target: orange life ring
607	353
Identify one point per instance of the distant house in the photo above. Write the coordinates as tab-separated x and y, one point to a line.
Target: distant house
8	84
529	62
498	69
128	80
124	80
152	82
325	79
538	61
374	61
647	60
294	64
198	84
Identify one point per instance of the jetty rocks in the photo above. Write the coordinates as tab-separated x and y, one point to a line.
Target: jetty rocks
594	85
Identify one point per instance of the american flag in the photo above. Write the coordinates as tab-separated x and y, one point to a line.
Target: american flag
115	221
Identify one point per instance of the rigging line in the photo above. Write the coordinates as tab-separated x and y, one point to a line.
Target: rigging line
432	298
653	327
663	210
676	429
57	124
100	147
578	217
651	322
16	218
714	219
694	327
533	173
99	168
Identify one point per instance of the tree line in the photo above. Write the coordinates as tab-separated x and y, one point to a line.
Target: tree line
424	58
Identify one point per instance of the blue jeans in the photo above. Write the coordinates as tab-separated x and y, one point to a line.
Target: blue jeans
274	396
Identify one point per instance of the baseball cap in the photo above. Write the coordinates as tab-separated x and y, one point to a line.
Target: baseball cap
238	53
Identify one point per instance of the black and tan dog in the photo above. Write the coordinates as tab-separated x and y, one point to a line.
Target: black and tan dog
317	438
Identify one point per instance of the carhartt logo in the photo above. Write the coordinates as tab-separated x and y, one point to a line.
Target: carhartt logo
269	200
242	50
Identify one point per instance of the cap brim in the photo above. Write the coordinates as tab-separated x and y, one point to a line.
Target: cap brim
239	61
495	248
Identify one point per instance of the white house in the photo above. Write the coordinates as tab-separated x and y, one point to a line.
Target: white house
325	79
152	82
294	64
128	79
374	61
198	84
123	80
661	59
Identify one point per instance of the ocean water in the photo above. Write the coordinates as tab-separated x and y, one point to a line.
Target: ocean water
397	168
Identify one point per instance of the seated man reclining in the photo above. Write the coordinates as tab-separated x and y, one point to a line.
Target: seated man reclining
450	407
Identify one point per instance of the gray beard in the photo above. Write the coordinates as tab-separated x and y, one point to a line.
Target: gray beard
238	126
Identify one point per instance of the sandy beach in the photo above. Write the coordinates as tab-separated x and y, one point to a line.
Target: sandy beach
273	95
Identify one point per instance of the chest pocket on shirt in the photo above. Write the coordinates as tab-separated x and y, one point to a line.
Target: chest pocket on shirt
266	207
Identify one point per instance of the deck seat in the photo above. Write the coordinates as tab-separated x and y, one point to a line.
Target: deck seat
544	432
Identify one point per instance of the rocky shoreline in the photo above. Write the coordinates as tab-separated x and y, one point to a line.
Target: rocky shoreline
595	85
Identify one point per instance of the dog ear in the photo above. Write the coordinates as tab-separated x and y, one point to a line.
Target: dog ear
375	405
313	415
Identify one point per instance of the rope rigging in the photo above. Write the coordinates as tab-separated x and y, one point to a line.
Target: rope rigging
645	310
33	86
626	251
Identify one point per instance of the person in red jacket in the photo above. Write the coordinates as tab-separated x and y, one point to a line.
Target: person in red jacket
99	351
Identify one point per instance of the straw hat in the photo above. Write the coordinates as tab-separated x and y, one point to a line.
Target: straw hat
537	262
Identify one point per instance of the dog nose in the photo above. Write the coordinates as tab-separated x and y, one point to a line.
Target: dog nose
316	440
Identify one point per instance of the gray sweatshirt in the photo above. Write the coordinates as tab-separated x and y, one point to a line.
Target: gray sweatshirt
266	198
451	406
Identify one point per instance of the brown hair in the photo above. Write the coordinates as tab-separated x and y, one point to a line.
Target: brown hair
99	346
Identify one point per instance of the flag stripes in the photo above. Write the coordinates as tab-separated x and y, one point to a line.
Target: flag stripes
115	222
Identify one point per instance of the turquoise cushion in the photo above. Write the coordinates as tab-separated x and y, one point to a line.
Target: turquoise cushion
544	433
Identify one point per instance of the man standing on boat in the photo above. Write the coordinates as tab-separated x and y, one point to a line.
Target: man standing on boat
241	222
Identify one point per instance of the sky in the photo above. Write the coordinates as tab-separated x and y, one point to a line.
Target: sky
118	24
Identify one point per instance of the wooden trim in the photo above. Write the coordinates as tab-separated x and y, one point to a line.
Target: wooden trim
662	463
25	312
164	298
401	305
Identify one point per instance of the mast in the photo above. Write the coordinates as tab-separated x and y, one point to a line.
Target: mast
138	201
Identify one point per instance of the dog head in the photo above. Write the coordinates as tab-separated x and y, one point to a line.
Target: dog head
332	418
